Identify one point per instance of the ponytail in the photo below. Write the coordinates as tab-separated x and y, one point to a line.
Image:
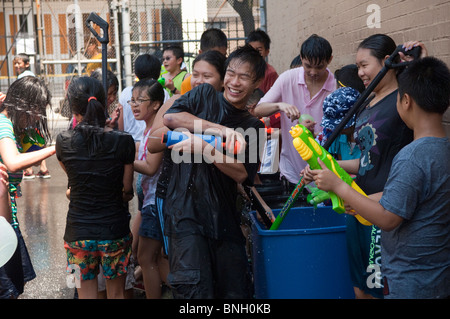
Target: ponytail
86	97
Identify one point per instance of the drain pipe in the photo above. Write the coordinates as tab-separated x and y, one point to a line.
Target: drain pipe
263	15
126	43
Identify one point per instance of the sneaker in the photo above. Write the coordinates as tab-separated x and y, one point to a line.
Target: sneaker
45	174
27	175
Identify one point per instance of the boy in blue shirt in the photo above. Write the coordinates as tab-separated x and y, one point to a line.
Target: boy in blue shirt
414	210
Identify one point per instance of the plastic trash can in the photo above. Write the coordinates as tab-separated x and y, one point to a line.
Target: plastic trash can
306	258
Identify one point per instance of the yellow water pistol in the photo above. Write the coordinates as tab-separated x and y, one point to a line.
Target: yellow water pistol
310	151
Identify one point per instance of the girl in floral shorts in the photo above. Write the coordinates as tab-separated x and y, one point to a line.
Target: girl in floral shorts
112	255
99	166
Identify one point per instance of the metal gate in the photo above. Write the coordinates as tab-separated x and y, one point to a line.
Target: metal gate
54	35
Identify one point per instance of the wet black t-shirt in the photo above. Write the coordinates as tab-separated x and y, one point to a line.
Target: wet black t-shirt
96	209
200	198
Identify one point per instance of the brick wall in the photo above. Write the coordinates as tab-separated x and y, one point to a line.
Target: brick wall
344	24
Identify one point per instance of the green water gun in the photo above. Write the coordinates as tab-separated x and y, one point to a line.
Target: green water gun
316	196
310	151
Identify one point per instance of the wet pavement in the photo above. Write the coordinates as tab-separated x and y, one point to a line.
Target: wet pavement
42	212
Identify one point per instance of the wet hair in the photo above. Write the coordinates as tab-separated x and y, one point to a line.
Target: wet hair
153	89
86	97
26	103
176	50
111	78
316	49
379	45
260	36
249	54
215	58
213	38
147	66
427	82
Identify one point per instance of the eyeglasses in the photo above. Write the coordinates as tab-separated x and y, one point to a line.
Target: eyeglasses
137	102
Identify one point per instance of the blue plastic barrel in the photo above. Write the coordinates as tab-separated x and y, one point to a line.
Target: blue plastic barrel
306	258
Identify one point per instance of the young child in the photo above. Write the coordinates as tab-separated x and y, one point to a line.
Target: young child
172	59
413	212
22	65
260	40
335	107
98	162
147	98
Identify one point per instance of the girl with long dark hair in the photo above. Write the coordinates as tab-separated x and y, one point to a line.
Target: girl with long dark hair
24	107
99	166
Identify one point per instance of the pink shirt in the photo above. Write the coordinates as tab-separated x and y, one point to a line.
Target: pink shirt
290	87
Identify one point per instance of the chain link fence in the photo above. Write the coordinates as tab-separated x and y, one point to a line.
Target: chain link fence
53	33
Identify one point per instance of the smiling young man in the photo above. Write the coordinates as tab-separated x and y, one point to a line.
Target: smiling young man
299	91
206	246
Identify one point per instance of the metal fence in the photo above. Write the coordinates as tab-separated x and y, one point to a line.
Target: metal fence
54	35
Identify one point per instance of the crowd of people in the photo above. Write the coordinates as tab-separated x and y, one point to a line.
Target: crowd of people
187	234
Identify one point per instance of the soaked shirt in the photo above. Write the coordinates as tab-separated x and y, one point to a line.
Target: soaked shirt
96	209
200	198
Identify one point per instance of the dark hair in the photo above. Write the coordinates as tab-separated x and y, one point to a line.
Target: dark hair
249	54
111	78
79	95
153	89
296	62
26	103
213	38
427	81
380	45
348	76
86	97
147	66
316	49
260	36
176	50
215	58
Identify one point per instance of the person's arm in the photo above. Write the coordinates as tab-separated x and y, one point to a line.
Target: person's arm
16	161
154	144
128	182
120	120
368	208
226	164
269	108
5	199
350	166
150	165
190	122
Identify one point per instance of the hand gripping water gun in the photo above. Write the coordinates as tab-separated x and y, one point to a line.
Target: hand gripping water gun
297	190
174	137
316	196
310	151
